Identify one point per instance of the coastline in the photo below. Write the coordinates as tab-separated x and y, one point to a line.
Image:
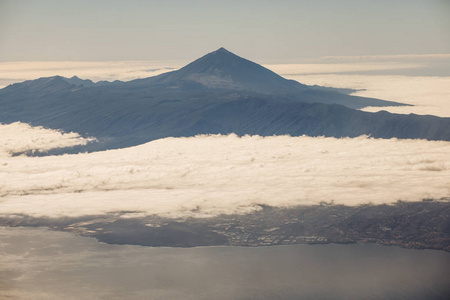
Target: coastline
413	225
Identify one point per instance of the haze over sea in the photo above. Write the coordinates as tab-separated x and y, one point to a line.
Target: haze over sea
41	264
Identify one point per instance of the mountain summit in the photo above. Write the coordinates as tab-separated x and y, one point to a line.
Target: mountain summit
223	69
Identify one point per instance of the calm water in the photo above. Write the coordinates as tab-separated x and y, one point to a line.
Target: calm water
40	264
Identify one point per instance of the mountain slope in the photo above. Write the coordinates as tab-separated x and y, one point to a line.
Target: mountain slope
220	72
123	114
223	69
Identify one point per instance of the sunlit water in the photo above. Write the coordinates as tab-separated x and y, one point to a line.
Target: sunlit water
41	264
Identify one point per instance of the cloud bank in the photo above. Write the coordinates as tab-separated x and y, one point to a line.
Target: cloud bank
209	175
326	68
17	138
12	72
389	58
430	95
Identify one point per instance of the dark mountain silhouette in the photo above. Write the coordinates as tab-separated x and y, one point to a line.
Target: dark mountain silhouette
80	82
225	71
222	69
218	93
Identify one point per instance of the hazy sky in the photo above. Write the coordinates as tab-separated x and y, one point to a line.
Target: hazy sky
267	30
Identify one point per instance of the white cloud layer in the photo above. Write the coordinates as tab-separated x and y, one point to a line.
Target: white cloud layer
12	72
324	68
208	175
389	58
18	137
430	95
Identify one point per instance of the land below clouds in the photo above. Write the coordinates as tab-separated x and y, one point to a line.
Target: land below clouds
416	225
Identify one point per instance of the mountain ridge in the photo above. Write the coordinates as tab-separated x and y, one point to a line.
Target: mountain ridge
125	114
227	73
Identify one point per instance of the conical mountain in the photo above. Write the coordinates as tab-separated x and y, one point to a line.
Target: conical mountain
218	93
222	69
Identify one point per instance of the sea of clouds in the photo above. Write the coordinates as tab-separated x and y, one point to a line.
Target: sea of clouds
429	95
21	138
13	72
208	175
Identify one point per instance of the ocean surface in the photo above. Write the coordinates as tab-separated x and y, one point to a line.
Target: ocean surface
37	263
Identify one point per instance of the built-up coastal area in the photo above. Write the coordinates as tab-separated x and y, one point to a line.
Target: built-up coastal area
416	225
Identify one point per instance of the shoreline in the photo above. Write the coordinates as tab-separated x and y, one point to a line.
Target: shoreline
411	225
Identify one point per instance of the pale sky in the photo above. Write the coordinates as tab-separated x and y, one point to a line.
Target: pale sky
267	30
